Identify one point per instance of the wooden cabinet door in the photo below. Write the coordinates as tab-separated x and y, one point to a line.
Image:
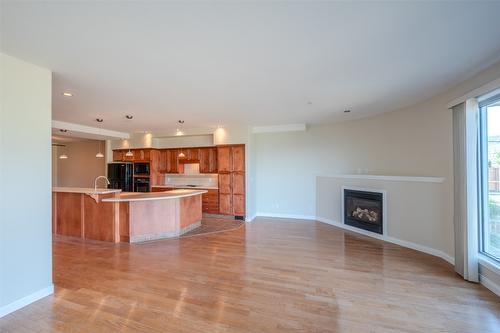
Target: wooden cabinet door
172	161
139	155
204	160
210	202
212	160
238	157
162	166
239	183
225	204
118	155
225	185
193	154
238	204
144	155
224	159
208	160
129	158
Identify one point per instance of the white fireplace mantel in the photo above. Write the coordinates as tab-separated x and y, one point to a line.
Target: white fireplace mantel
389	178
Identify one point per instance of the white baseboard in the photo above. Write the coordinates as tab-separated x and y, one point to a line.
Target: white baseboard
390	239
413	246
495	288
250	218
287	216
20	303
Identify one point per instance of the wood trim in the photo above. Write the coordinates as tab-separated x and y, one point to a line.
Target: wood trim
82	205
54	212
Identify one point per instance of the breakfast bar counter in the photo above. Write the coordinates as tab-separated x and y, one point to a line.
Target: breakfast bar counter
115	216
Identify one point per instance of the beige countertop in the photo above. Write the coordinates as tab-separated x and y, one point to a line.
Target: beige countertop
85	190
147	196
188	187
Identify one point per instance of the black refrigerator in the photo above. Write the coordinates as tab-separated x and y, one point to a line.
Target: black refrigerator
120	175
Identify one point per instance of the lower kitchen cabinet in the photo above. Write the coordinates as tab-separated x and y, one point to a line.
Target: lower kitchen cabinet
210	202
239	204
225	204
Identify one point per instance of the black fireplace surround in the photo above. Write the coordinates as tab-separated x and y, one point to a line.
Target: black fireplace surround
363	209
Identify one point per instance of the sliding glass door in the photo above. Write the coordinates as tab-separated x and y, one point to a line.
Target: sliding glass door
490	177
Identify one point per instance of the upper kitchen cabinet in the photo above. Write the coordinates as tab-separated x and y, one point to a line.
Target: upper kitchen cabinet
208	160
193	154
231	158
224	160
172	161
238	156
142	154
138	155
162	164
118	155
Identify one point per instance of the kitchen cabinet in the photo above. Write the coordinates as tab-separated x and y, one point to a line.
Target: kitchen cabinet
118	155
231	166
224	159
225	183
128	158
225	204
231	158
210	202
162	165
138	155
208	160
142	155
172	161
238	158
156	177
238	204
193	154
238	183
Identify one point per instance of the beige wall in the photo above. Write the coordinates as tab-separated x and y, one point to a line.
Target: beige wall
416	141
414	215
25	183
82	167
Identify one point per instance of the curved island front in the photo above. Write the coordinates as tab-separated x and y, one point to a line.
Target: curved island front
110	215
157	215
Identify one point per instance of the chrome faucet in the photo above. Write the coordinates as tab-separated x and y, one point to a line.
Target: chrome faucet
95	182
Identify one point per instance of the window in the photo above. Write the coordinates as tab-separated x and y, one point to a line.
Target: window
490	177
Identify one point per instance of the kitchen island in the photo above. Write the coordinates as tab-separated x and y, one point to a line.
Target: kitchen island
115	216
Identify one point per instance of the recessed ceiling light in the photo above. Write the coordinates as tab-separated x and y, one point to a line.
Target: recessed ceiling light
180	121
63	130
67	94
99	120
129	116
347	111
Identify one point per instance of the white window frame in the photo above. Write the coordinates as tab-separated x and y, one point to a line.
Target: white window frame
484	102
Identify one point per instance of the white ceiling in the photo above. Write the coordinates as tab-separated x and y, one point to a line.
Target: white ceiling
247	63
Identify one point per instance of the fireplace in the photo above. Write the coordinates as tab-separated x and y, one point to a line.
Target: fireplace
364	209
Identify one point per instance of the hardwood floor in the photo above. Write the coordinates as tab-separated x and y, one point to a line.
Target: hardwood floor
271	275
215	225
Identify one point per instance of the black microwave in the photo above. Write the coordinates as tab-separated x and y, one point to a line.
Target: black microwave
141	168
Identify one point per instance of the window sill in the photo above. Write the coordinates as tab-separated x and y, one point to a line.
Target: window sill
489	263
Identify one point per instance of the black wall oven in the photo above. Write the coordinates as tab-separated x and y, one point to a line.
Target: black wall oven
141	168
141	184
